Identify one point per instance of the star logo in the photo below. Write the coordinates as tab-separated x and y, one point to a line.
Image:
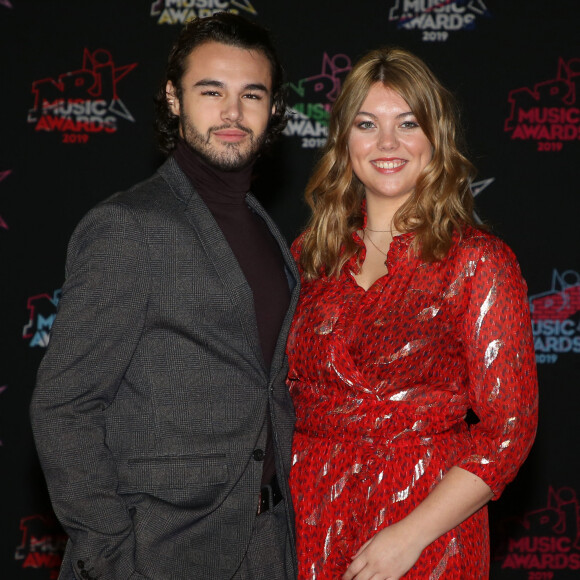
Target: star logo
476	188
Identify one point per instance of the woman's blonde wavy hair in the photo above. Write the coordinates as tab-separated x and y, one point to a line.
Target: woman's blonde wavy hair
442	201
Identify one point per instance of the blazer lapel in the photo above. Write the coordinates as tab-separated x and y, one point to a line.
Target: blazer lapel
226	265
218	252
293	281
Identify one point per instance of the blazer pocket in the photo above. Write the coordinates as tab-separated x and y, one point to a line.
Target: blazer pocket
183	480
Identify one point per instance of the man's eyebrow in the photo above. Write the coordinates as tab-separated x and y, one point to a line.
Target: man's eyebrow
218	84
209	83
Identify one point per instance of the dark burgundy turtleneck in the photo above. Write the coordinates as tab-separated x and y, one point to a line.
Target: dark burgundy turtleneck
256	250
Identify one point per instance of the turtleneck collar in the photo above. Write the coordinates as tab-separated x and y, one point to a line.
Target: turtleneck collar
213	185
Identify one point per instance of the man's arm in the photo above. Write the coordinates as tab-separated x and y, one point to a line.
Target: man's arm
99	322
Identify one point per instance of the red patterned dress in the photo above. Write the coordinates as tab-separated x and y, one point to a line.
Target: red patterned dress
382	380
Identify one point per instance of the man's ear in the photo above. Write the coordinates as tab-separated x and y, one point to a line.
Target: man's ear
172	100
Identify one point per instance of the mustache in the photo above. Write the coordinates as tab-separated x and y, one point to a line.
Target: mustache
229	126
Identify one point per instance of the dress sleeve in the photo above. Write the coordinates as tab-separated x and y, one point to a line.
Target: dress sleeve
499	348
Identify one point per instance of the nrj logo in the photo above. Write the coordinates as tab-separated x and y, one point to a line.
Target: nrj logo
6	3
437	18
548	113
42	312
555	320
311	100
546	539
42	543
82	102
3	176
182	11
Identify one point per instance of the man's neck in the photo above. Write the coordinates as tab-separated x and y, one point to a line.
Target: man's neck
213	185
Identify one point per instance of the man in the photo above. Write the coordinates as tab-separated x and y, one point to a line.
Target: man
161	415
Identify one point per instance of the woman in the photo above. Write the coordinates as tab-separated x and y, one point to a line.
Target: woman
410	315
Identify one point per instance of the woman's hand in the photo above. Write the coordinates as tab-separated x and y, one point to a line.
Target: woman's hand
388	555
392	552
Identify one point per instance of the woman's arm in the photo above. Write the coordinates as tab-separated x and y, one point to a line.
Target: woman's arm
393	551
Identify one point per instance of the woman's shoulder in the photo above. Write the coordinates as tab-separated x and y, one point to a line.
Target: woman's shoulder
478	250
480	242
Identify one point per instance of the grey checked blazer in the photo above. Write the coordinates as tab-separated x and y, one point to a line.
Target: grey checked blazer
152	396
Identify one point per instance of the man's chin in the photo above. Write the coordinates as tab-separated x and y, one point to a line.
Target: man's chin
229	162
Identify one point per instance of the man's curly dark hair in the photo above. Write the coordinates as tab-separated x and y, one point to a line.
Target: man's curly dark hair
225	28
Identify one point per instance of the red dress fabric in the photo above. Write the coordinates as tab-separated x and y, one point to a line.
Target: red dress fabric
382	380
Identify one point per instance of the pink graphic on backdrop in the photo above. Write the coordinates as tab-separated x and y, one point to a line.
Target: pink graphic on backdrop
42	312
555	321
325	86
83	101
549	112
3	176
544	539
42	543
562	300
5	3
437	19
182	11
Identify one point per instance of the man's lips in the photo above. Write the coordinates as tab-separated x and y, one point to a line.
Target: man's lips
230	135
389	165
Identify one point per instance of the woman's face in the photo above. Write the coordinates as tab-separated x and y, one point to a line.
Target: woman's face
387	147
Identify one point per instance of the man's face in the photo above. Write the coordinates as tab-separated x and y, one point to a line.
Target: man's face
225	103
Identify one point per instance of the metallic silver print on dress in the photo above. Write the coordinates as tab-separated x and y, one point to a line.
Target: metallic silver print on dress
450	550
327	326
457	284
418	472
408	349
487	304
491	352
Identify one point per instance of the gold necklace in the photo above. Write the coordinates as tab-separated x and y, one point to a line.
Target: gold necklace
371	241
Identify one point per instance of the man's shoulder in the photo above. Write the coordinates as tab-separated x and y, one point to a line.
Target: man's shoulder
164	183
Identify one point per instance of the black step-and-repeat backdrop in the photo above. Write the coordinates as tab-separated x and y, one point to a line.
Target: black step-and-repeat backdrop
76	124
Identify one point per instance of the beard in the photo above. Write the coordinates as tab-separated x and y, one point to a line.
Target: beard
230	156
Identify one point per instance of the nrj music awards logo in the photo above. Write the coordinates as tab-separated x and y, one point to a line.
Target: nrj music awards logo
545	541
42	312
437	18
555	320
548	113
182	11
82	102
311	99
42	543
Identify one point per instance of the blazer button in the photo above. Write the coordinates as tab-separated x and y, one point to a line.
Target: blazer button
258	455
80	564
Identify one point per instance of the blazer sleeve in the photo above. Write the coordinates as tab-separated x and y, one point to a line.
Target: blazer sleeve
99	322
499	349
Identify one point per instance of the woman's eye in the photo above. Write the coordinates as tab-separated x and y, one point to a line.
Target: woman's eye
410	125
365	125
